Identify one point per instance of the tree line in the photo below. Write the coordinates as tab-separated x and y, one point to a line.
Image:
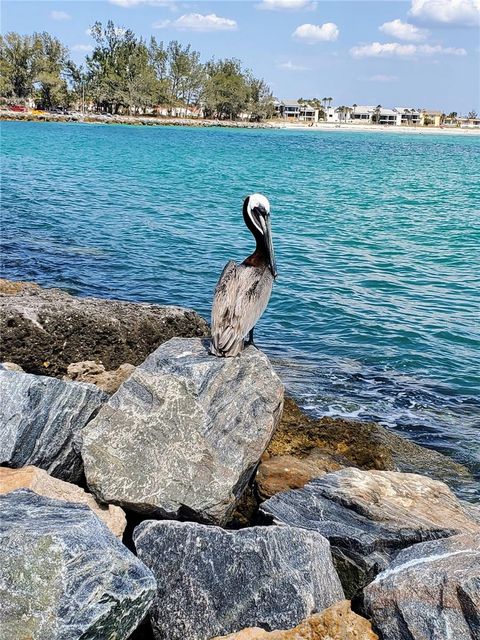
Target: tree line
126	74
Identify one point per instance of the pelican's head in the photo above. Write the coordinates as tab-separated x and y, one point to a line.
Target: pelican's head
256	213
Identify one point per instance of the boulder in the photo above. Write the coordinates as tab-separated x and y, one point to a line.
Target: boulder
44	330
95	373
361	444
64	575
431	591
338	622
38	481
10	366
212	582
39	419
369	516
281	473
183	435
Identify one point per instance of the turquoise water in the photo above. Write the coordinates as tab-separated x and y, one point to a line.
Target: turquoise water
376	310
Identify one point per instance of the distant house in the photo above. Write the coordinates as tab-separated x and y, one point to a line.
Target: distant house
362	113
294	110
389	117
409	116
434	117
469	122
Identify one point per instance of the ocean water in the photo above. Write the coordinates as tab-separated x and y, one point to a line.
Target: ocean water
376	311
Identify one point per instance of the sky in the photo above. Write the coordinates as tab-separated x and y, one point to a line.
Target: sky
408	53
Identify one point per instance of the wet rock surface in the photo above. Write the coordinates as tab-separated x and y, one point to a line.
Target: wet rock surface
212	582
338	622
431	591
39	419
360	444
182	436
64	575
281	473
369	516
38	481
45	330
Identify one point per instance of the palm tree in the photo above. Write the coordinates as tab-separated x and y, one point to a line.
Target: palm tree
377	113
324	100
329	101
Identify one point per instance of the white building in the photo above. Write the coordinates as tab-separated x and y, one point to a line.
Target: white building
294	110
409	116
362	113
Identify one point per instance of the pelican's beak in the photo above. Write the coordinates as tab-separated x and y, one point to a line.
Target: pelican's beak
267	234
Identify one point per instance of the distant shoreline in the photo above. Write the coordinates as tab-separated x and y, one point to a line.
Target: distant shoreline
193	122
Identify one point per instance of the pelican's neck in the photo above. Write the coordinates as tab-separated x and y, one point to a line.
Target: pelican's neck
259	258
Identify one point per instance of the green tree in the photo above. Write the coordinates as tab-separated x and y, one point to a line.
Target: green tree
186	73
110	64
226	91
158	58
472	115
50	83
18	65
261	100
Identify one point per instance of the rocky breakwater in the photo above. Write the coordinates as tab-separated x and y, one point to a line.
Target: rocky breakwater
370	516
430	591
39	420
45	330
183	435
212	581
38	481
64	575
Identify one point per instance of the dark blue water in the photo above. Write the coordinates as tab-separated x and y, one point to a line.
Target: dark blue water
376	311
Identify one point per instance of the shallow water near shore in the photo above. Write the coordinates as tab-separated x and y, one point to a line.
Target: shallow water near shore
376	311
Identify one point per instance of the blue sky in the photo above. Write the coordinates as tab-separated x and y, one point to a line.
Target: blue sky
420	53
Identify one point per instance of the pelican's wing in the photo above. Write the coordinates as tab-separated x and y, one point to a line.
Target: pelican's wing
240	299
225	318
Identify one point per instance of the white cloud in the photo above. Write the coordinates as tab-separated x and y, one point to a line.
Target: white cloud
60	15
198	22
290	66
455	12
280	5
404	31
82	47
312	33
382	78
395	49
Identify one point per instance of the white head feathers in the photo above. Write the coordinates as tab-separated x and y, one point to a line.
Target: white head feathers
258	200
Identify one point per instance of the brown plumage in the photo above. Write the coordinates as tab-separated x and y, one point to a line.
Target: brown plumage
243	291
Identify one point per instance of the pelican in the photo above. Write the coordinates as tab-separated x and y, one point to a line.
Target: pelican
243	291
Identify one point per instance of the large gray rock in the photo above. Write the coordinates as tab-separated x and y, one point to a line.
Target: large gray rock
39	419
211	581
183	434
369	516
64	575
431	591
44	330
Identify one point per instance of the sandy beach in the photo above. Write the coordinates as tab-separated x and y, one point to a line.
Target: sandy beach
93	118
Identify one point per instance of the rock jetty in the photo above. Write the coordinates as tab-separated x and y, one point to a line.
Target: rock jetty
183	435
431	591
369	516
211	582
38	481
64	575
338	622
39	419
266	518
45	330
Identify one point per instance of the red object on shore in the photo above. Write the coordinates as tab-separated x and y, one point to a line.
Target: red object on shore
17	107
